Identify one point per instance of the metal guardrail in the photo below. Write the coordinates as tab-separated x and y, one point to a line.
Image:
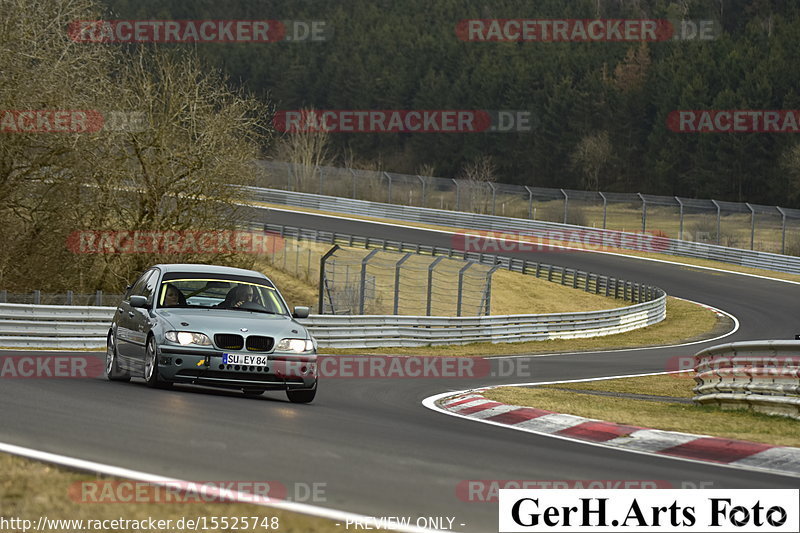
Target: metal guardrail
394	330
762	376
54	326
588	238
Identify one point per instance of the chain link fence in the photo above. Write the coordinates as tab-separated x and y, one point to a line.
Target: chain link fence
378	282
737	225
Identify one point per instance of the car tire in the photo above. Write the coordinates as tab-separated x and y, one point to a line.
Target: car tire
113	372
151	376
251	393
301	395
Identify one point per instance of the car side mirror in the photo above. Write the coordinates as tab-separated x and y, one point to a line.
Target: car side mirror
301	312
139	301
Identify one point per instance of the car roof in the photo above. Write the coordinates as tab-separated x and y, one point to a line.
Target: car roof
201	268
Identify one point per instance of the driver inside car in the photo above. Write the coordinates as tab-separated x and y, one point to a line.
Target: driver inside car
238	296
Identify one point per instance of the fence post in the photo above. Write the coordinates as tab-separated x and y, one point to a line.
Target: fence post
98	298
530	202
718	219
397	282
430	283
69	297
458	195
37	297
362	289
783	229
605	206
461	272
680	231
424	199
353	172
389	178
322	261
644	212
319	169
3	296
488	295
566	205
494	195
752	223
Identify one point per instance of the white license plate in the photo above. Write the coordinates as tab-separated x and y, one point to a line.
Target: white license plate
241	359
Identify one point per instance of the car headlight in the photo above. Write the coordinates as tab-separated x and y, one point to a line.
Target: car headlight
188	337
295	345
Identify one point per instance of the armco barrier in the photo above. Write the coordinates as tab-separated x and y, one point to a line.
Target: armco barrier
70	327
532	228
760	375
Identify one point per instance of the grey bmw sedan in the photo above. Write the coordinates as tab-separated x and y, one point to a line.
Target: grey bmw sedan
211	325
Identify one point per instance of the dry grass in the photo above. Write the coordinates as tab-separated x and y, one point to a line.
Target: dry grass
514	293
30	489
669	416
685	321
662	257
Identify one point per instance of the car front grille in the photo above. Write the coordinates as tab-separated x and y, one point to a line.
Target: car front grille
257	343
228	341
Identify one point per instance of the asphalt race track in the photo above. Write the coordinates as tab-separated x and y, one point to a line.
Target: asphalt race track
378	451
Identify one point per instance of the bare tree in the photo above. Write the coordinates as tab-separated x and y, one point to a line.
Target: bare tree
478	177
308	149
590	156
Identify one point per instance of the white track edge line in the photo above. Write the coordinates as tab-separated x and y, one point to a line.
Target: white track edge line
241	497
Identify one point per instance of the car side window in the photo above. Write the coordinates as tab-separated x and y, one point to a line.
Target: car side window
150	286
139	285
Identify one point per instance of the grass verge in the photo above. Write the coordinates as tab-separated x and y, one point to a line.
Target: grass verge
632	253
30	489
685	322
670	416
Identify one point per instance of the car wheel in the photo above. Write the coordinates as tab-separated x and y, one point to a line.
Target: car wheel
151	366
113	372
253	392
302	395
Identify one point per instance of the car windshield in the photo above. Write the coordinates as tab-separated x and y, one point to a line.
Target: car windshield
236	295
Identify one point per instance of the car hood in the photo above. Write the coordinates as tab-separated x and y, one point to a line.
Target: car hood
212	321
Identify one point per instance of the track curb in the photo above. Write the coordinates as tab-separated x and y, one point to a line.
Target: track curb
704	448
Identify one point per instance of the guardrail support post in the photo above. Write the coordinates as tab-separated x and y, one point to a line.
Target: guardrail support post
397	282
322	261
430	283
605	207
362	284
461	287
680	231
783	229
